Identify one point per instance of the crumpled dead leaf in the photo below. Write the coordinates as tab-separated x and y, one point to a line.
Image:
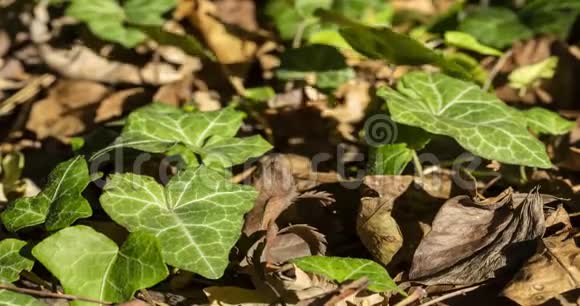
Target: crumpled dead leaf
60	114
471	240
555	269
274	179
376	228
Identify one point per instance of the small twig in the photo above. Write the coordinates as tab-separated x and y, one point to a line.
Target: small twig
450	295
53	295
495	70
415	296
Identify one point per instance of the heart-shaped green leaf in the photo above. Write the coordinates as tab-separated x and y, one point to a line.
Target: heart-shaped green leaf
197	217
60	203
161	128
89	264
343	269
479	121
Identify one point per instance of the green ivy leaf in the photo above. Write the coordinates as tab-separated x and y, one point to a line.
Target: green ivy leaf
89	264
326	63
551	17
12	262
543	121
60	203
495	26
531	75
307	7
160	128
389	159
477	120
108	20
258	94
105	19
147	12
468	42
11	298
343	269
197	217
386	44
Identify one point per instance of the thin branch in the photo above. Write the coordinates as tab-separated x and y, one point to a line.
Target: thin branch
450	295
53	295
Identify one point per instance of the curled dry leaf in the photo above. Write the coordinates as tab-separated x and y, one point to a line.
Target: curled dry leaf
471	240
277	191
375	226
291	242
552	271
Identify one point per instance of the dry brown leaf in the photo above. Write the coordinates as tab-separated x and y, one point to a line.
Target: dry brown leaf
554	270
352	110
81	62
228	48
291	242
58	115
471	240
176	93
5	43
277	191
206	101
225	296
376	228
113	105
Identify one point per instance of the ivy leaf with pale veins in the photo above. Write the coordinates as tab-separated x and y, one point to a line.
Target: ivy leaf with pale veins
12	263
160	128
543	121
342	269
11	298
477	120
60	203
197	217
89	264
